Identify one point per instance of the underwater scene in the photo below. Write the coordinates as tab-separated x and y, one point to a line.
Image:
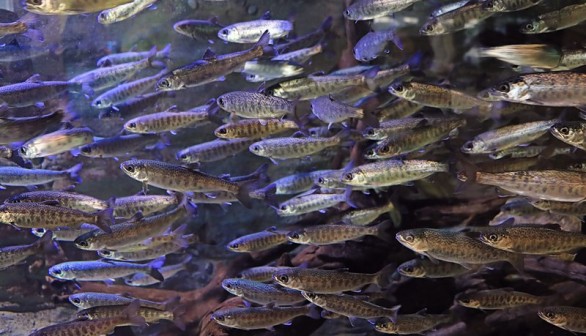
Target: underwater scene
292	167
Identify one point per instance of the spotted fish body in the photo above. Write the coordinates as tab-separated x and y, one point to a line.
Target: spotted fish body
125	91
254	128
568	318
165	121
435	96
409	324
309	203
120	145
258	317
349	306
371	9
12	255
422	268
69	200
261	293
533	240
214	150
260	273
255	105
87	300
259	241
146	204
56	142
398	109
71	7
497	299
391	172
290	148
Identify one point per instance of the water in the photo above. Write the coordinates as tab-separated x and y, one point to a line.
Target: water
60	47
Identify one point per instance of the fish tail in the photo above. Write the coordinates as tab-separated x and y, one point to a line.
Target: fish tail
165	52
173	305
104	219
243	194
326	25
394	213
393	313
131	314
184	201
382	231
313	312
153	268
382	277
45	243
74	172
178	234
518	262
263	42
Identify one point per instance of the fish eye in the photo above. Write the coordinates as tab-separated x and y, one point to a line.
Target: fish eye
506	208
84	243
464	300
294	236
529	26
399	88
384	325
283	278
221	101
283	207
132	125
256	148
129	168
385	149
98	103
370	131
409	238
469	145
549	315
492	237
428	28
564	130
36	2
223	131
349	177
224	32
57	271
234	246
86	150
321	180
408	269
23	150
228	286
102	15
219	318
347	12
106	252
505	87
489	4
164	83
183	156
370	152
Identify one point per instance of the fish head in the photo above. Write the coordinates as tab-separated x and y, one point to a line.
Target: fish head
87	242
233	286
467	300
106	17
28	151
499	239
387	150
298	237
107	254
186	157
224	132
515	206
569	132
363	54
432	27
257	148
402	89
286	209
580	167
101	103
371	133
413	239
169	83
39	232
386	326
289	277
62	271
474	146
237	245
89	151
354	177
412	269
224	317
513	90
39	6
534	27
494	6
80	300
353	12
553	315
229	34
135	169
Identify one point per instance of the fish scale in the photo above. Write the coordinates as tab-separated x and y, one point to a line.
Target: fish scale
411	324
568	318
214	150
165	121
331	234
423	268
258	317
309	203
533	240
349	306
261	293
327	281
254	128
498	299
391	172
258	241
289	148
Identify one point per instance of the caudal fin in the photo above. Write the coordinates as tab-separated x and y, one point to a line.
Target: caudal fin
383	231
132	314
105	219
154	268
74	172
383	277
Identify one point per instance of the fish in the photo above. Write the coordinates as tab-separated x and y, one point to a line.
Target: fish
49	216
308	203
150	315
250	318
329	281
70	7
141	279
289	185
105	77
56	142
391	172
251	31
132	56
328	110
508	5
202	30
22	177
125	91
260	273
300	56
13	255
546	89
270	69
104	326
553	185
507	137
258	241
261	293
455	247
533	240
422	268
255	105
350	306
398	109
435	96
291	148
564	317
407	324
128	206
563	18
33	91
562	208
497	299
395	126
571	132
68	235
316	85
367	216
336	233
120	145
374	43
371	9
527	152
23	129
178	178
98	270
542	56
65	199
457	19
254	128
214	150
134	106
167	121
133	231
211	68
123	12
86	300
